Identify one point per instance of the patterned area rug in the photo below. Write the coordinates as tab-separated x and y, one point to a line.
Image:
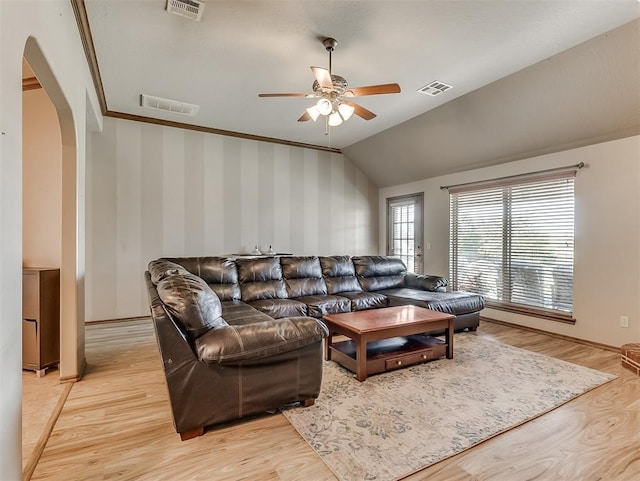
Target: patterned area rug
397	423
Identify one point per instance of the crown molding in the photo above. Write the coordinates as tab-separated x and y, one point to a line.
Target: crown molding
211	130
82	21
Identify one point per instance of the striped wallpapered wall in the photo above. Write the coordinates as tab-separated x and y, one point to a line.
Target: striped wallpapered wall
157	191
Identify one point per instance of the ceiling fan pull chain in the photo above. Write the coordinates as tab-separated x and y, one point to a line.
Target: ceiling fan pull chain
326	125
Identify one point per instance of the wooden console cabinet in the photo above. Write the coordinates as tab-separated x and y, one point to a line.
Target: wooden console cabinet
40	318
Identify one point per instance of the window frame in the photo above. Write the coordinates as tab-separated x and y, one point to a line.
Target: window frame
505	228
418	202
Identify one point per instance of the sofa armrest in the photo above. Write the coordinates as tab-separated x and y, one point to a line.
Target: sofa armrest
425	282
249	342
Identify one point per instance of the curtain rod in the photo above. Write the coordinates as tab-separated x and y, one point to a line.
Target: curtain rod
517	176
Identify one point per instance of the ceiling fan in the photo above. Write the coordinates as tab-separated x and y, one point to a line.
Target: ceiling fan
333	94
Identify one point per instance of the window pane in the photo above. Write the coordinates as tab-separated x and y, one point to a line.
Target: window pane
515	243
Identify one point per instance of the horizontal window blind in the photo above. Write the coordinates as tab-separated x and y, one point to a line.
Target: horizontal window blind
514	242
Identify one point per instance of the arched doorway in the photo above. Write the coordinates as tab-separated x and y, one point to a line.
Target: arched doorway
71	292
70	232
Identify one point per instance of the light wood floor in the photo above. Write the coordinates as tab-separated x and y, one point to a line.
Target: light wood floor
116	424
40	397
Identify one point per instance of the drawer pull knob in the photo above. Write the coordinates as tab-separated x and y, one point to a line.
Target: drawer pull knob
399	363
424	356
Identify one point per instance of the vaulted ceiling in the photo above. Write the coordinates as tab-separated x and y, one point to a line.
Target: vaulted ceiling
524	80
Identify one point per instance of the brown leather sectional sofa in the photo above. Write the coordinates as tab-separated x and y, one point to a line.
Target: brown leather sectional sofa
242	336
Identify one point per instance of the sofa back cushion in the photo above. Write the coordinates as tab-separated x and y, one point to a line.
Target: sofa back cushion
303	276
376	273
220	273
191	302
339	274
261	278
161	268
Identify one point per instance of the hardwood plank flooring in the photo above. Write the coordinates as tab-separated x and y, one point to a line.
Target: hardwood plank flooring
39	400
116	424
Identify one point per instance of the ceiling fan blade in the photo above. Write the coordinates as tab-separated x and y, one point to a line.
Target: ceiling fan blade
304	117
360	111
283	95
375	90
323	77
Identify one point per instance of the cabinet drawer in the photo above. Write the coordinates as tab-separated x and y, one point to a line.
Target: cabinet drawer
30	296
30	349
415	357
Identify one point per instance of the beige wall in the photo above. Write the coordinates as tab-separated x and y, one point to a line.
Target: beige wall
607	236
46	34
159	191
41	181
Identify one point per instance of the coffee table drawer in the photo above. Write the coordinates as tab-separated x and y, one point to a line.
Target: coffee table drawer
415	357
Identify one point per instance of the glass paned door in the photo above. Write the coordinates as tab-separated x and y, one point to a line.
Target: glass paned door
404	219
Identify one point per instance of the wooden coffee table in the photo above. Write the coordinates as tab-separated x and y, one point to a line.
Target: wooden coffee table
387	338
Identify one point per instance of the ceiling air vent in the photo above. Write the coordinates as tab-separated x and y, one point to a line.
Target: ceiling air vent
435	88
169	105
186	8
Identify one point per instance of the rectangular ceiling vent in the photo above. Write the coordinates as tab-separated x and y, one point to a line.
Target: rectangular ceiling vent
435	88
186	8
169	105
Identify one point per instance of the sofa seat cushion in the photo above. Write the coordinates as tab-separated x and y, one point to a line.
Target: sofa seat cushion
278	308
260	340
365	300
318	306
239	312
191	302
454	302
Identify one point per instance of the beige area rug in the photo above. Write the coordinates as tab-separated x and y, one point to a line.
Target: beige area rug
397	423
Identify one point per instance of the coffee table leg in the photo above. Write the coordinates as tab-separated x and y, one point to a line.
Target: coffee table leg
361	359
327	346
449	334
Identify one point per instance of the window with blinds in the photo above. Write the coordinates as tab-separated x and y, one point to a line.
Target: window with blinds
513	242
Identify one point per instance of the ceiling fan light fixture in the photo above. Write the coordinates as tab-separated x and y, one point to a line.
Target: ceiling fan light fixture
335	119
313	112
346	111
324	106
334	95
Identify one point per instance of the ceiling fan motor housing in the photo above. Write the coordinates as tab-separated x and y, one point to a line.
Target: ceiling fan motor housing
339	86
330	44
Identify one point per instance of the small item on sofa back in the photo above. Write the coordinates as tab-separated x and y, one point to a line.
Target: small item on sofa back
191	302
161	268
425	282
376	273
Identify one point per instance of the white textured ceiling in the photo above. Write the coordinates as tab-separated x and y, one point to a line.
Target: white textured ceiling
242	48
